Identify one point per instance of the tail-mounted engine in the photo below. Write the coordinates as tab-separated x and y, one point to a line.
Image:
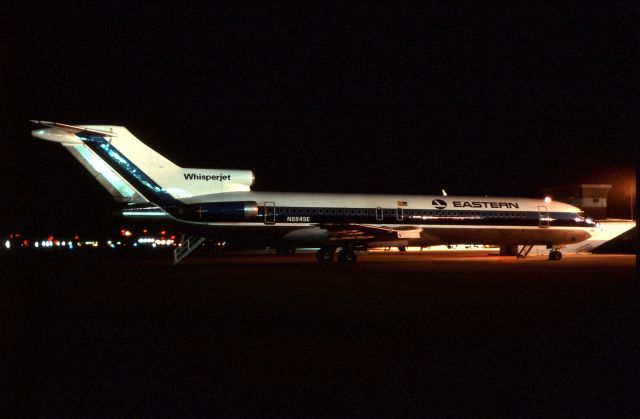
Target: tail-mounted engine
219	211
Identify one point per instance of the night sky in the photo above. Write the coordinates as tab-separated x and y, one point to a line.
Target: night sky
499	100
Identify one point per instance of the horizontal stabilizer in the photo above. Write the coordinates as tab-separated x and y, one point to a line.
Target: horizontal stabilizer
75	129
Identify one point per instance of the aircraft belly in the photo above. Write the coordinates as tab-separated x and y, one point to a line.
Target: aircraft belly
508	236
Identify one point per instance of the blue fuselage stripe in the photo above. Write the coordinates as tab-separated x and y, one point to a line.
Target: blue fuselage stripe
283	215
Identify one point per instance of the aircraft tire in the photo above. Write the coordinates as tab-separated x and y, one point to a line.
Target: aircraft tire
555	255
325	255
347	256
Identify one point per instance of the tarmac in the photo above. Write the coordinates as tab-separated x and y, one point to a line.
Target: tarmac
397	334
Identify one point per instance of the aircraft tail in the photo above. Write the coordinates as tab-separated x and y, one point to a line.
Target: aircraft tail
134	173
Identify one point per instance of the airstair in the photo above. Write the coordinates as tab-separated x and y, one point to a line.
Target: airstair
185	247
524	251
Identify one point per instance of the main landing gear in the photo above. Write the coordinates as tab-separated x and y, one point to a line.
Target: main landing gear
555	255
325	255
346	255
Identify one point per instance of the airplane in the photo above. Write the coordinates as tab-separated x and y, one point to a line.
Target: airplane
219	203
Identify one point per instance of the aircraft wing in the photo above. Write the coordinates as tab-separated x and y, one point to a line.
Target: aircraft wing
365	232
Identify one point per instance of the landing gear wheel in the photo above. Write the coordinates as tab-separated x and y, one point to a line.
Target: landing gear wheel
325	255
347	256
555	255
402	248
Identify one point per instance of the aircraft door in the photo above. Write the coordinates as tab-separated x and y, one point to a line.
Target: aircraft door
269	212
543	217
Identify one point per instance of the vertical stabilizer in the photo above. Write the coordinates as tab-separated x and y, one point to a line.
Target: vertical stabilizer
132	171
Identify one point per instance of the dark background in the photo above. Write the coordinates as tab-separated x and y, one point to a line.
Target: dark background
489	100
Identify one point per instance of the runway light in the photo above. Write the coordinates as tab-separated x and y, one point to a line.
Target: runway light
7	244
547	199
36	245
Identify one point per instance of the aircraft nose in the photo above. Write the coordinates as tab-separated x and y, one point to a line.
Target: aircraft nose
584	235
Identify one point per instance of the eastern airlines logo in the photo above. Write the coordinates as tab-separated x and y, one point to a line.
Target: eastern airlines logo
206	178
439	203
484	204
442	204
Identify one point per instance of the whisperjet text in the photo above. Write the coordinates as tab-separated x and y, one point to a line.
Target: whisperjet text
196	176
484	204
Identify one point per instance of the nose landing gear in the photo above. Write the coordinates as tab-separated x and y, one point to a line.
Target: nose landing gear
555	255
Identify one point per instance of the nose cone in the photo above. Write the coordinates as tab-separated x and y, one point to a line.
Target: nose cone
580	236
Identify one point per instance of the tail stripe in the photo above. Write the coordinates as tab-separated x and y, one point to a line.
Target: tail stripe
127	169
